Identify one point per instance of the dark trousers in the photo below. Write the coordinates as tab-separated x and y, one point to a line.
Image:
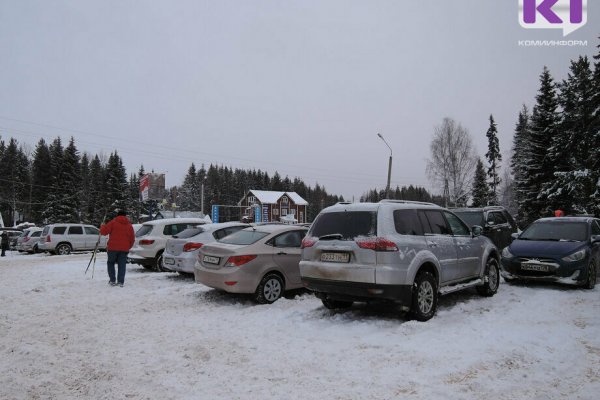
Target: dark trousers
119	257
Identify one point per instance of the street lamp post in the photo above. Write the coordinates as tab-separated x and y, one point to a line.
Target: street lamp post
387	189
202	198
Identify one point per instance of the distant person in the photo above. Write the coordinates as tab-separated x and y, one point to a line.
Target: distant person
559	213
120	240
4	243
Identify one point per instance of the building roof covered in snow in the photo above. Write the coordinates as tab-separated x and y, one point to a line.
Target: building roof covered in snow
271	197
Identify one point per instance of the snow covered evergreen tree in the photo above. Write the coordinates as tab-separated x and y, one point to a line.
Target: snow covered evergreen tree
14	181
41	181
481	189
116	189
594	156
538	169
188	197
493	157
571	186
520	153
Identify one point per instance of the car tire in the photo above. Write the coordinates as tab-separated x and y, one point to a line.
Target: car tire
149	267
269	290
159	263
590	282
63	249
424	297
36	249
336	304
491	278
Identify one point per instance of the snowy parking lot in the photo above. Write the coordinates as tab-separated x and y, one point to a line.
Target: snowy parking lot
64	335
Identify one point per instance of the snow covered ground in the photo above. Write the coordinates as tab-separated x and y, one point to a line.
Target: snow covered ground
64	335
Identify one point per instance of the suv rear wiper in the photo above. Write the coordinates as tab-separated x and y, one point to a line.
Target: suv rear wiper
332	236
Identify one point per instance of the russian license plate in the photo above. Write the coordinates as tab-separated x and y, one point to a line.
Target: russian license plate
211	259
534	267
169	261
335	257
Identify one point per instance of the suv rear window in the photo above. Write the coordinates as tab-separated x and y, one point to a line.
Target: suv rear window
471	217
349	224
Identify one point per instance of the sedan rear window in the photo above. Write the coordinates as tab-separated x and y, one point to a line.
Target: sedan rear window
345	224
188	233
244	237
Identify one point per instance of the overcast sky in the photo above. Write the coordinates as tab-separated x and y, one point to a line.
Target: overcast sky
301	87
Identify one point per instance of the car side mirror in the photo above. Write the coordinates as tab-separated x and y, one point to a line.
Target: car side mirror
514	235
595	239
476	230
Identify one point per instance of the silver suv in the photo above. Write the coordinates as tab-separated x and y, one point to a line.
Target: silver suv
399	251
65	238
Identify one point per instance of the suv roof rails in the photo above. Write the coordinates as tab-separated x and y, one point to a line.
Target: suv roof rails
344	202
407	202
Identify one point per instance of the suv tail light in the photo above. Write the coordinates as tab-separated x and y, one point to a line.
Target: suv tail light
48	239
236	261
26	239
307	242
377	244
192	246
146	242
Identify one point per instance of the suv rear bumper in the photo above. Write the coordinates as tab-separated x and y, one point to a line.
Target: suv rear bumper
359	291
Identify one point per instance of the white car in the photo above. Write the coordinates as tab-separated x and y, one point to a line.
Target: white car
28	241
181	252
151	239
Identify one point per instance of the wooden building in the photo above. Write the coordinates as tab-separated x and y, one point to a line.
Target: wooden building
270	206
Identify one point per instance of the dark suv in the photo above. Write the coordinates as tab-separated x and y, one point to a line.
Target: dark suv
496	221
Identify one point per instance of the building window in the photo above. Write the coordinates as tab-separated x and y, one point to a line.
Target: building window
284	200
293	211
301	219
251	200
284	212
275	211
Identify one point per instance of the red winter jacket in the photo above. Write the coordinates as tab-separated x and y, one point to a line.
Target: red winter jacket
121	234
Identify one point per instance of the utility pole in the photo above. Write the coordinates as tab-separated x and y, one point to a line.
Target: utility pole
389	177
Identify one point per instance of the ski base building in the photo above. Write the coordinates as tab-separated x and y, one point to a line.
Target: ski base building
271	206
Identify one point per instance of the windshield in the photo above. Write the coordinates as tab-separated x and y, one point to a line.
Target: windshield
471	218
556	231
244	237
188	233
345	224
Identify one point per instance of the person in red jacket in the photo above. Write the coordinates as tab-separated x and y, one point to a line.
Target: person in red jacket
120	240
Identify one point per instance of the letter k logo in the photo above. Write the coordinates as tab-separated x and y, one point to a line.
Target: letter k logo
567	15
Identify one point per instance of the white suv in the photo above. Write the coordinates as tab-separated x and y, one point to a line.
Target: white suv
65	238
151	239
405	252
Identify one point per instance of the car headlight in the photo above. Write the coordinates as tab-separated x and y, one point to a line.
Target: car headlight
506	253
577	256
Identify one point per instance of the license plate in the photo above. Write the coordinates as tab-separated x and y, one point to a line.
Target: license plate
335	257
169	261
211	260
534	267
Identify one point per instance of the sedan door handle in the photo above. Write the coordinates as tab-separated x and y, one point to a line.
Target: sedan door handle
433	244
281	253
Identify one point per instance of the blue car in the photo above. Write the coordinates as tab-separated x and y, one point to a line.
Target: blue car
563	249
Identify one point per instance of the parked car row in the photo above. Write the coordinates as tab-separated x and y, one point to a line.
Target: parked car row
402	252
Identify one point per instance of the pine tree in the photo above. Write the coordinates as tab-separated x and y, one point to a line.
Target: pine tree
537	166
52	213
481	190
41	180
14	181
493	157
520	152
571	186
594	136
116	189
188	197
